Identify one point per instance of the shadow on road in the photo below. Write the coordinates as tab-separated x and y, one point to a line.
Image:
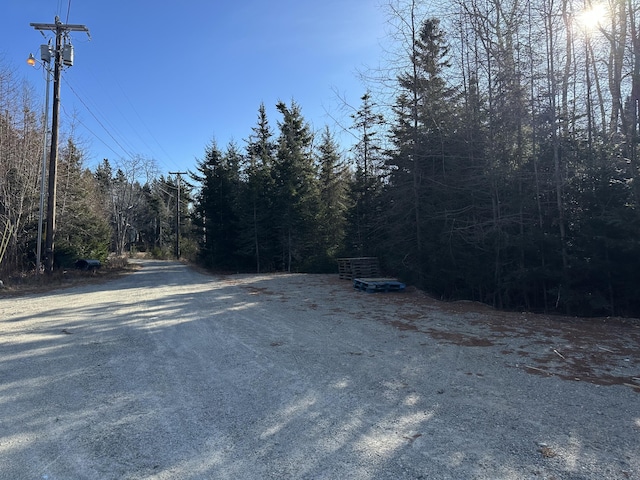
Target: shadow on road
170	373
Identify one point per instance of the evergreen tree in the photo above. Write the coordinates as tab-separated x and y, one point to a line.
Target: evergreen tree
82	226
257	234
362	236
157	229
296	192
333	201
215	210
421	181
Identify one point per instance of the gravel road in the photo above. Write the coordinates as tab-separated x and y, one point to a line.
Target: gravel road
168	373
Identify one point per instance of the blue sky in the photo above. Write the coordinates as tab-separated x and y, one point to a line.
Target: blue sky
161	80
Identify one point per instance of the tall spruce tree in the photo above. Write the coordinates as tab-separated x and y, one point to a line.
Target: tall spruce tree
362	237
83	229
215	209
296	192
419	165
333	201
257	235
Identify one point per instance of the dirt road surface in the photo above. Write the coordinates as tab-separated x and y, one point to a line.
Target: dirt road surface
168	373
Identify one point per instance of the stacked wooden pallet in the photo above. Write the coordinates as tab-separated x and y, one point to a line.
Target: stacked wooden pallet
373	285
350	268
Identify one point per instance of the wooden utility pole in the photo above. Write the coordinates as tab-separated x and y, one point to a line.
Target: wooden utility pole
178	174
60	30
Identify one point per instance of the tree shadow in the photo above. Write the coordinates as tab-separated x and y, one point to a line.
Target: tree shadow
167	373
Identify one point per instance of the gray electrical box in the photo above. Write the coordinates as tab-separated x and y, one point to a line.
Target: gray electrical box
45	53
67	55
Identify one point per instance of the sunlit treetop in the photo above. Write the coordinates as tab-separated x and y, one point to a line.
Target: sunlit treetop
592	17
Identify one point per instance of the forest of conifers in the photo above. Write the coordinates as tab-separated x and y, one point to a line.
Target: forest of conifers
495	159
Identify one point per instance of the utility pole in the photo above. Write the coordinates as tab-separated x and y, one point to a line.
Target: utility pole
61	30
45	58
178	212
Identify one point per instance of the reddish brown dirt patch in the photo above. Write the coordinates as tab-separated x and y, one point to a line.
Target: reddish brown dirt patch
459	338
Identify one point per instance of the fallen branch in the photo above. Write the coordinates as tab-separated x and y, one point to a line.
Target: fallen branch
605	349
546	372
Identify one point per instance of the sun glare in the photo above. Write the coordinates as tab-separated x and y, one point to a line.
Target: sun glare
592	17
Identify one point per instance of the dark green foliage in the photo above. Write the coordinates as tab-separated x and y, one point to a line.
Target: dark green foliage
296	191
333	181
489	200
215	215
156	230
279	207
424	194
257	237
364	214
82	226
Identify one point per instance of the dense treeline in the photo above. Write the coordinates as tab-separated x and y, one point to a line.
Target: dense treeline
279	206
495	159
504	169
513	166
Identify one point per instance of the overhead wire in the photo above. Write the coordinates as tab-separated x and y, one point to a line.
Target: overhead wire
86	127
107	125
142	121
68	10
111	130
128	152
131	127
107	131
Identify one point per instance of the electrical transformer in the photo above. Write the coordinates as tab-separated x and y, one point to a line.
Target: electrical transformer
67	55
45	53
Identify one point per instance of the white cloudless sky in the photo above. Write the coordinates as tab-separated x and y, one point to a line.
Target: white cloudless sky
163	79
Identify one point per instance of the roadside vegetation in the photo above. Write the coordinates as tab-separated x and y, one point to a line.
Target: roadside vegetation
494	159
22	283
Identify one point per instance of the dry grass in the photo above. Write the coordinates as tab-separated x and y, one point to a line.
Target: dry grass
29	283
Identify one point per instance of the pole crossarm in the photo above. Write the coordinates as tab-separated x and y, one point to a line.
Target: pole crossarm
59	26
63	26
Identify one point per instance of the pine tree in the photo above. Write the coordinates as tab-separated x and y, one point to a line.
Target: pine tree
333	180
157	228
296	192
215	209
420	163
83	229
257	235
362	237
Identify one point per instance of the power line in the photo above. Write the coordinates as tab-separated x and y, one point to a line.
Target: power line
130	154
142	121
91	132
68	10
112	130
125	145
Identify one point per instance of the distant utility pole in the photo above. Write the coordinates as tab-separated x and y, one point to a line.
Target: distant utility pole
178	212
63	53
